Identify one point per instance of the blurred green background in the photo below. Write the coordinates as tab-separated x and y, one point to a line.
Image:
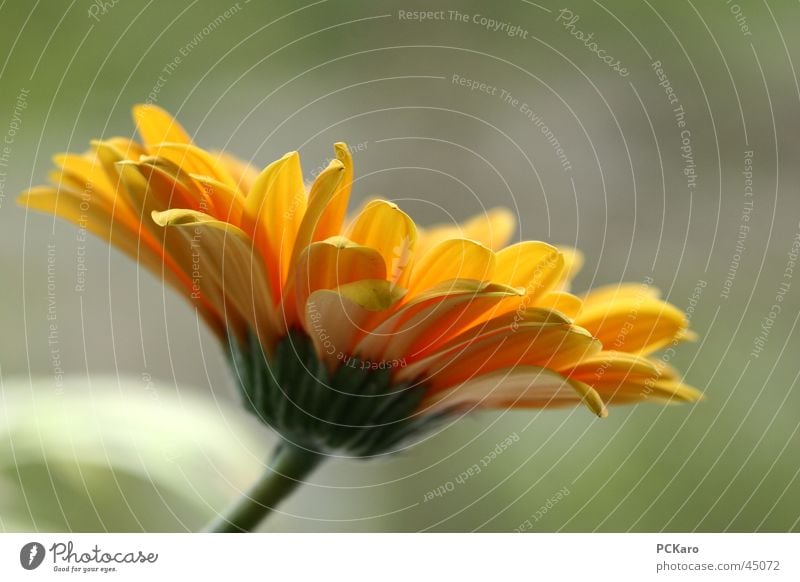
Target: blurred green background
143	431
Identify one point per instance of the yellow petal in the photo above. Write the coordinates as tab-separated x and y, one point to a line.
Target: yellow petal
573	262
332	321
194	160
372	295
335	318
156	126
518	387
225	269
492	229
132	240
425	344
125	147
110	153
383	325
169	186
620	377
590	397
429	320
675	392
91	213
243	173
560	301
322	192
619	293
452	259
384	227
228	203
544	345
87	173
636	325
615	366
332	218
274	209
537	266
95	177
334	262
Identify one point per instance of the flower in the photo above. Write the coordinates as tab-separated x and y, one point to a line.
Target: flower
353	335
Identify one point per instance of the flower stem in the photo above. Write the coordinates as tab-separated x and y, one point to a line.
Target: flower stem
289	465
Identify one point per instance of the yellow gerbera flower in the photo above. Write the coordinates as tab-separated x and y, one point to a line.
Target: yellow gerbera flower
351	335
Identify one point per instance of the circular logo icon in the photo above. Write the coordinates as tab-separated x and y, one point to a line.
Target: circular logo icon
31	555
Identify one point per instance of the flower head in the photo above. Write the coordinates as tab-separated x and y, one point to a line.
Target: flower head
353	334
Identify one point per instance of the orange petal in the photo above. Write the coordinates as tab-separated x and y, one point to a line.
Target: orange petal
573	262
97	216
87	173
322	192
332	218
228	203
274	209
620	377
542	345
518	387
425	345
537	266
243	173
156	126
194	160
492	229
335	318
560	301
334	262
135	242
621	292
641	325
171	187
449	260
225	269
430	319
384	227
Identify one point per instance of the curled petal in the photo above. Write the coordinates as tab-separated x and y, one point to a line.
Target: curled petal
384	227
334	262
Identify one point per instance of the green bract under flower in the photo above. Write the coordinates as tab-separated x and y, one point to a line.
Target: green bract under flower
356	410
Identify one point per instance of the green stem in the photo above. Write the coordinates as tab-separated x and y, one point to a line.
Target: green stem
289	465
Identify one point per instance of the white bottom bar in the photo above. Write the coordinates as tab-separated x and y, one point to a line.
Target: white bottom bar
400	557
